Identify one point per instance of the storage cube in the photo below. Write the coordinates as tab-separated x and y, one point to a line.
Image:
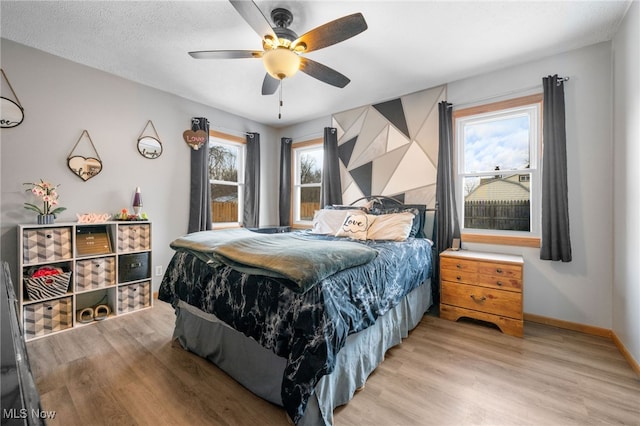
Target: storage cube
46	245
46	317
134	237
132	297
47	287
133	267
95	273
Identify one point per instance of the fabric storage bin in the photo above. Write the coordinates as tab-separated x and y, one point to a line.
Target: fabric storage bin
134	237
48	286
95	273
132	297
46	317
133	267
46	245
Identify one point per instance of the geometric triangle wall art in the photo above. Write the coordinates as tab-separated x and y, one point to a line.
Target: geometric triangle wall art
394	112
346	149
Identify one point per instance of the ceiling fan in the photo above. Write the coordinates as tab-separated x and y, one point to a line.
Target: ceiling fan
283	49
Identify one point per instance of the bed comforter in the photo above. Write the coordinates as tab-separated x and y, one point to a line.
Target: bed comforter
308	328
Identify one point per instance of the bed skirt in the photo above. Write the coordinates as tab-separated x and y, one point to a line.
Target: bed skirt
260	370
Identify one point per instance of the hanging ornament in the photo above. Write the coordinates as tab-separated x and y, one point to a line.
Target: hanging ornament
84	167
11	112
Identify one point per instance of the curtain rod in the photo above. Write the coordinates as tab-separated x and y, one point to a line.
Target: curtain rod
307	137
232	131
512	92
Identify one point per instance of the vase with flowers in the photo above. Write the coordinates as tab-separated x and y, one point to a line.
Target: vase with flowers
48	194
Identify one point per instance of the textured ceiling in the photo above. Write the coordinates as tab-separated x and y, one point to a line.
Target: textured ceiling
409	46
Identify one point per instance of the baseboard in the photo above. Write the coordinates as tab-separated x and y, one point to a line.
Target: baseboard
588	329
567	325
626	354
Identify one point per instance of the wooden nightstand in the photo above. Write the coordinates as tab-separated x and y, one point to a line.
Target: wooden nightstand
483	286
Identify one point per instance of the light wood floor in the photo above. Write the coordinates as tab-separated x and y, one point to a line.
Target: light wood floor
126	371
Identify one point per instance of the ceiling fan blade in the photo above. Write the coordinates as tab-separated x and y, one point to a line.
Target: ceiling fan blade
323	73
269	85
254	17
226	54
332	32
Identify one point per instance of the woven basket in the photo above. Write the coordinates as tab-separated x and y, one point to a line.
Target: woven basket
48	286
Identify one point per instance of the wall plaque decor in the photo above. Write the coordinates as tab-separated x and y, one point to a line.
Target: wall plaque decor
195	139
11	112
149	146
84	167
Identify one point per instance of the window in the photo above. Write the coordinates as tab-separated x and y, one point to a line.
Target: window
498	177
226	174
307	177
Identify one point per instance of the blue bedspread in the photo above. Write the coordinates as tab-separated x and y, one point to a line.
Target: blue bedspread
307	329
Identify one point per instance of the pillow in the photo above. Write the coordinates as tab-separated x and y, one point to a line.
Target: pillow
418	219
355	226
328	221
394	227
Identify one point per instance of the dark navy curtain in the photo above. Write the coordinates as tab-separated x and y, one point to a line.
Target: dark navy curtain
556	240
200	195
330	190
284	204
251	212
447	225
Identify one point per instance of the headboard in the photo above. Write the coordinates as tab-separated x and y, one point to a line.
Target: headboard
380	204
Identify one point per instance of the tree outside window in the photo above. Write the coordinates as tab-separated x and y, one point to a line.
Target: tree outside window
226	163
307	180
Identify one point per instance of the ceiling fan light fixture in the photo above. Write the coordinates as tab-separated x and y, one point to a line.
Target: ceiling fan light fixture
281	62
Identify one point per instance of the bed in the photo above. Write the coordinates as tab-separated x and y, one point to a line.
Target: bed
302	318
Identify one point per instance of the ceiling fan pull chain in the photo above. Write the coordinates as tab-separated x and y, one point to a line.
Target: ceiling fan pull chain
280	101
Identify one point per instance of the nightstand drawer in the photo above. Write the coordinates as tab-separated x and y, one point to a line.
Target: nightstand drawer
458	264
458	276
503	283
500	270
497	302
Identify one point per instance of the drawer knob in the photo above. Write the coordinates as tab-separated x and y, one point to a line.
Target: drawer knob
458	266
499	283
499	270
478	299
458	278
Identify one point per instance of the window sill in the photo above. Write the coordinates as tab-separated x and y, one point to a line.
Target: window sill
507	240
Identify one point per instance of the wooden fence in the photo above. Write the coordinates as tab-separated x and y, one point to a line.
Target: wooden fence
504	215
227	211
308	209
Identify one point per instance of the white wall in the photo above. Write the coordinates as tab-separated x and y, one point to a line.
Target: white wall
311	129
626	182
579	291
61	99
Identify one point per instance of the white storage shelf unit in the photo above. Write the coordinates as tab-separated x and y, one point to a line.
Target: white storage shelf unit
105	265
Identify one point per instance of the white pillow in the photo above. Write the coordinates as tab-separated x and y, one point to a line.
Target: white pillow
328	221
356	225
394	227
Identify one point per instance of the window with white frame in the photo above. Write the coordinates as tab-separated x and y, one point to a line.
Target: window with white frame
307	178
226	177
498	166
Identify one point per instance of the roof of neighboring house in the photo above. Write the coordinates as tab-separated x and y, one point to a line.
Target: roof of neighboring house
499	190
